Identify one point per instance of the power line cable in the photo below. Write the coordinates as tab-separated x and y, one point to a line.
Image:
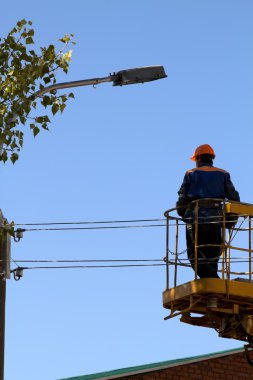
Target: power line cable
90	266
109	227
87	261
152	261
90	222
171	262
93	228
114	221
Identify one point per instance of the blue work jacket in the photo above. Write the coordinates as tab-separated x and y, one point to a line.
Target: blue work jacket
205	181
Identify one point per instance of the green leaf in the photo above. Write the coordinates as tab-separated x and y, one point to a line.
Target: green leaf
46	101
29	41
21	23
46	119
63	98
65	39
55	108
47	80
44	126
71	95
36	130
62	107
14	30
39	119
14	145
14	158
4	156
49	53
30	33
22	119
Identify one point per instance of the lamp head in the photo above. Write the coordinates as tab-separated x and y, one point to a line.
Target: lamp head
139	75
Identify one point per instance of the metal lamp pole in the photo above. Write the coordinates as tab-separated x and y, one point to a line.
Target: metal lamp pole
121	78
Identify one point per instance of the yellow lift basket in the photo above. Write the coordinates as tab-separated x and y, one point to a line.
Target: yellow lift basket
224	304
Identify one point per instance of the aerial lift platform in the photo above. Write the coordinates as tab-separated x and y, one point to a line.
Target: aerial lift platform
224	304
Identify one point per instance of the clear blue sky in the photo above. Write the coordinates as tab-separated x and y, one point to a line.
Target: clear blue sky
121	153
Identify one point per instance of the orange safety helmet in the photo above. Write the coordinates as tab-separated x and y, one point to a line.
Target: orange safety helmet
203	149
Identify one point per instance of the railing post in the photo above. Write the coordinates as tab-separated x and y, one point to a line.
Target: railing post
196	239
167	251
224	255
228	254
250	253
176	255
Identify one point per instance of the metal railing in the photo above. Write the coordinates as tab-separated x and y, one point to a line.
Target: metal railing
230	225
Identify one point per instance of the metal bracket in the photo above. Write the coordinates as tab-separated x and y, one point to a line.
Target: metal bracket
187	310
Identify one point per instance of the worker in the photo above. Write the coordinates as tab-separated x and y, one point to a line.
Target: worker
205	181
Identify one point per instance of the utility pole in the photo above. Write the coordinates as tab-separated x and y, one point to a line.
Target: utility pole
2	321
4	274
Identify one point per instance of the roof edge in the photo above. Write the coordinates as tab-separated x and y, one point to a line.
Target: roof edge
130	371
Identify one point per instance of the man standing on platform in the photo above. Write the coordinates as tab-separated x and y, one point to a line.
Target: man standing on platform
205	181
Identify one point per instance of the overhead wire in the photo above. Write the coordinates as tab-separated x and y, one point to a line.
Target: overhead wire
90	222
173	261
105	266
103	228
90	266
88	261
115	221
93	228
108	227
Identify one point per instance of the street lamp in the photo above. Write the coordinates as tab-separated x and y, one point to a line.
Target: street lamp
121	78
